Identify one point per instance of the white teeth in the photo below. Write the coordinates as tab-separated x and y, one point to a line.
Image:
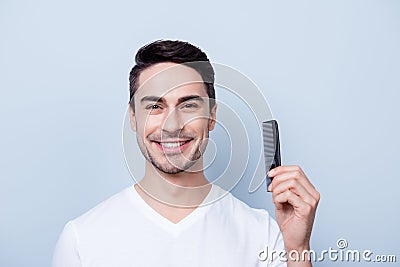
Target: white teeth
172	145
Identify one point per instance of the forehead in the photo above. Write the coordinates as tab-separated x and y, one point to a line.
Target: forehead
170	80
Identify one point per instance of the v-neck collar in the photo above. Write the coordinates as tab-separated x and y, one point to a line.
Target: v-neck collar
173	228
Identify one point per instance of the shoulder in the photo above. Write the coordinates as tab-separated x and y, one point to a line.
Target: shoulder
245	224
110	209
90	229
239	211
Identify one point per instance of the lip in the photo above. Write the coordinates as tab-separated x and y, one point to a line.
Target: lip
172	147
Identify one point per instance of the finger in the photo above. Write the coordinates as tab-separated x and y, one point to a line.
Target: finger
282	169
298	204
295	187
287	172
285	176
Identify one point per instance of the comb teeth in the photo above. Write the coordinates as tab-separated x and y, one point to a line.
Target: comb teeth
269	143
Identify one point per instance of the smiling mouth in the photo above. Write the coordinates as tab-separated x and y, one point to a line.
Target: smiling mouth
172	146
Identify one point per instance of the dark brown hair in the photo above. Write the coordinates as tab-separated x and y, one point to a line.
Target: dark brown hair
176	52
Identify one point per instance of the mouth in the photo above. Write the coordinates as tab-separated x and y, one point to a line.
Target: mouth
172	146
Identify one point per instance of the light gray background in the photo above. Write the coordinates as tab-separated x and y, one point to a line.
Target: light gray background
330	70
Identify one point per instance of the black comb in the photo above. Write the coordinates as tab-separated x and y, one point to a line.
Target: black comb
272	153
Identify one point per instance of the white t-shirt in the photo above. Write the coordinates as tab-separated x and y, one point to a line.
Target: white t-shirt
125	231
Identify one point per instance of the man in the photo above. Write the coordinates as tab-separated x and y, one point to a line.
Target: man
173	216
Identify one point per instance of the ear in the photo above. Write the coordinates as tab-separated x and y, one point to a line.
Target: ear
132	118
213	117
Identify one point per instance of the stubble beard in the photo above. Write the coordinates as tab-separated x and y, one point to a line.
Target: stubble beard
173	164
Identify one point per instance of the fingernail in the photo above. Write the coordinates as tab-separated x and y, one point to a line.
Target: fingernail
269	188
271	172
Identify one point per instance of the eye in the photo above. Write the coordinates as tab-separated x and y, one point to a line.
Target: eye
153	107
190	106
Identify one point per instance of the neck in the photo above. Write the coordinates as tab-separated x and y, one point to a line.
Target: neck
184	189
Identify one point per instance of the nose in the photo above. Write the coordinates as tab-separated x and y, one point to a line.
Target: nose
172	122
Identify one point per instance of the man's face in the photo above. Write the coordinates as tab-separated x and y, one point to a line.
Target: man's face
172	117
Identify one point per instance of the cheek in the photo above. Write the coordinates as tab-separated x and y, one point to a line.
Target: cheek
196	118
198	125
147	124
150	124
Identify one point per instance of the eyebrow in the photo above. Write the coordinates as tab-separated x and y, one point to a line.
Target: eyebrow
190	97
151	99
180	100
